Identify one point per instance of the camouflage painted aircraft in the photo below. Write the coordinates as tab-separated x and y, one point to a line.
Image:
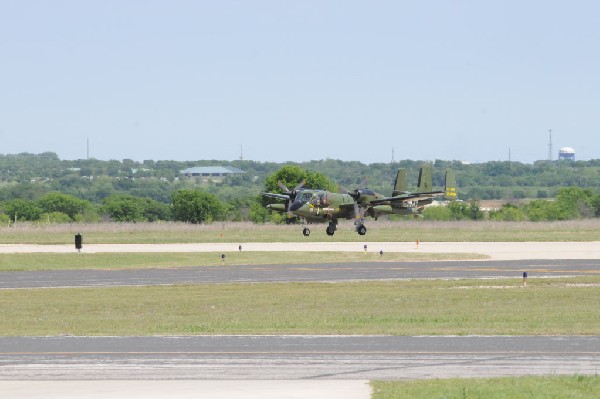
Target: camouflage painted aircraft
325	206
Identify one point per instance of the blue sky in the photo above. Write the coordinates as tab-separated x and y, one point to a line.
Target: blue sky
300	80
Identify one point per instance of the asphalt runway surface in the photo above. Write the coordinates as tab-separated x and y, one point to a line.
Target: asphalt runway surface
330	272
349	360
294	357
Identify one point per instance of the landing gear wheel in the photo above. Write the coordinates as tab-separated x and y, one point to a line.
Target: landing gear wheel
306	231
361	230
330	231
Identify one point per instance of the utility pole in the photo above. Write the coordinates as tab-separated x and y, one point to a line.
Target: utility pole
550	146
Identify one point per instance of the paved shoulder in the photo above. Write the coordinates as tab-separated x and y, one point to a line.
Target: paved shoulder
496	250
184	389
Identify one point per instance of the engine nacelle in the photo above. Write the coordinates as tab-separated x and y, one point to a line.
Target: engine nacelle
276	207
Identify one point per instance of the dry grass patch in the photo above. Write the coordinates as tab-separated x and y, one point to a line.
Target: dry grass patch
383	231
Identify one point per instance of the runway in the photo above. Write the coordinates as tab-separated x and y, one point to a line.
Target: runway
288	366
294	357
330	272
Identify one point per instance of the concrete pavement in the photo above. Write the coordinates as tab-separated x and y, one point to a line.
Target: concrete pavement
495	250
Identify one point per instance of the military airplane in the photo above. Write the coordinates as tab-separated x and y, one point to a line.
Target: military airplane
325	206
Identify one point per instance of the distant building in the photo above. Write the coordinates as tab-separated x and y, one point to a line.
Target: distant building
566	153
212	171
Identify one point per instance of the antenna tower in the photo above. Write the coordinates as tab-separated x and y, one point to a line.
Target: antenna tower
241	153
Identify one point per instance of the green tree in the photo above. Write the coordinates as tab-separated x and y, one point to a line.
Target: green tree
291	176
20	209
508	213
474	211
596	204
55	217
462	211
4	219
195	206
258	213
63	203
437	213
540	210
124	208
574	203
155	210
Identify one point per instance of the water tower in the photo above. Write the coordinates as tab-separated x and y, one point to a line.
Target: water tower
566	153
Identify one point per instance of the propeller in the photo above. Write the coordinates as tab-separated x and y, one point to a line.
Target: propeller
291	195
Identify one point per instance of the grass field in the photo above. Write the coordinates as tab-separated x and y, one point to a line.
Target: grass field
382	231
56	261
565	306
551	387
485	307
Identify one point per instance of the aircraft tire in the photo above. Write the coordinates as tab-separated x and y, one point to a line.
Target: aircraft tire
361	230
306	231
330	231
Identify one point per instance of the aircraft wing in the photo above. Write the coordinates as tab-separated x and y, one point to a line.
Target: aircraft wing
278	196
406	197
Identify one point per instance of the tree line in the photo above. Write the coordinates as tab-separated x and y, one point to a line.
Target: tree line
191	206
43	187
570	203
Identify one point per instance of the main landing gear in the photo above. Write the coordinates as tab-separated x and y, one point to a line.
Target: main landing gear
361	229
330	230
332	227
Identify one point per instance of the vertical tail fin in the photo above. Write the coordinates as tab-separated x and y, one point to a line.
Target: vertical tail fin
400	185
425	184
450	190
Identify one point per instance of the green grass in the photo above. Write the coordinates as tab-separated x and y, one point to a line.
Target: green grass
550	387
424	307
61	261
382	231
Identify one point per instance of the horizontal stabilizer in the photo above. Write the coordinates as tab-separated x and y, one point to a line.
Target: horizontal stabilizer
406	197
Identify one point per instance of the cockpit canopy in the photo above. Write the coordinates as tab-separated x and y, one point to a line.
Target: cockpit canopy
316	198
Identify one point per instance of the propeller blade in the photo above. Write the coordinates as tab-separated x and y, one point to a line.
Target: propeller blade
283	186
275	195
300	185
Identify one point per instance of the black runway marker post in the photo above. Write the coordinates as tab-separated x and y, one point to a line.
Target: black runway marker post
78	242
